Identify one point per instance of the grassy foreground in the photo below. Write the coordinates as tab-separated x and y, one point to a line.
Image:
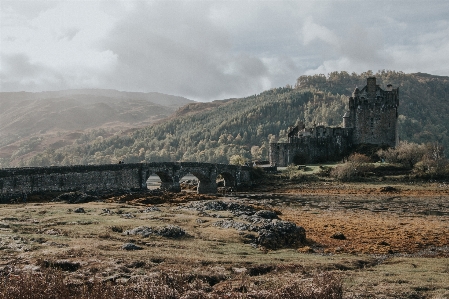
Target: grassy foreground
395	245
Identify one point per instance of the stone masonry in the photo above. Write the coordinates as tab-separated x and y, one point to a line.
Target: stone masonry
371	120
16	182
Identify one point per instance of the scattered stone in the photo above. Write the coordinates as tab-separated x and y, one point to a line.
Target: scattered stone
131	246
79	210
144	231
338	236
52	232
106	211
151	209
171	231
127	216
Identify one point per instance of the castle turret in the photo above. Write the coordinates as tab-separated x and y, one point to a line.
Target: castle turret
373	114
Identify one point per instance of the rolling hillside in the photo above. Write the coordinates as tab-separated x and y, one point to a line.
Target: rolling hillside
34	122
215	131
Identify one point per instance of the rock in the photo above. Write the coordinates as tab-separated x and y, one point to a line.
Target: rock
151	209
127	216
144	231
279	234
389	189
79	210
52	232
171	231
267	214
236	209
233	224
131	246
338	236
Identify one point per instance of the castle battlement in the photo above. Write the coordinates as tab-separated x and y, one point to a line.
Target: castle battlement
371	119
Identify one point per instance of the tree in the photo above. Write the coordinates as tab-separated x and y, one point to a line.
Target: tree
237	160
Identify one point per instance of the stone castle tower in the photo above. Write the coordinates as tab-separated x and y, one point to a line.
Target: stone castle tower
372	119
373	114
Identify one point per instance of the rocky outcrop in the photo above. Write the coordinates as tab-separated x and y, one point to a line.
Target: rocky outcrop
272	232
168	231
279	234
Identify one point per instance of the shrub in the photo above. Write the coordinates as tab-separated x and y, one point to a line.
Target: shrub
54	284
357	166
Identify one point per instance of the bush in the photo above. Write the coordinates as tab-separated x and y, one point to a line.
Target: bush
53	284
406	154
356	167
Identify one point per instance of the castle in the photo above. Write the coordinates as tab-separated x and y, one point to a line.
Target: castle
371	120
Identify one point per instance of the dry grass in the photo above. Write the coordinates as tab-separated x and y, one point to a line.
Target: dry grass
394	247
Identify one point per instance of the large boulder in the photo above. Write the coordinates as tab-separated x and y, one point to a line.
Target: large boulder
278	234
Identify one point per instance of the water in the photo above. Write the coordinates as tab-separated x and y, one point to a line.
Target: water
154	182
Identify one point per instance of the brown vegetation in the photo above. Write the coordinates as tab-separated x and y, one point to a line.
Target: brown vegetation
385	238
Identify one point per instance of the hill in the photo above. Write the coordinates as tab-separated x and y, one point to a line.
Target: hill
215	131
32	122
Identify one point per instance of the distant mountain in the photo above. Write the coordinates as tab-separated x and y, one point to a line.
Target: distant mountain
215	131
50	118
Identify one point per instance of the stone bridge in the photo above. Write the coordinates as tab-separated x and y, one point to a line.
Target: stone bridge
15	182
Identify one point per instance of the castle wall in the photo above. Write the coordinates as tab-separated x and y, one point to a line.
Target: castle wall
372	119
311	149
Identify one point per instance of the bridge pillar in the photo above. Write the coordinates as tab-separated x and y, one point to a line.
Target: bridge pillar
171	186
207	187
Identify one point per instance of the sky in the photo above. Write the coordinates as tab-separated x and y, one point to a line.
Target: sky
211	50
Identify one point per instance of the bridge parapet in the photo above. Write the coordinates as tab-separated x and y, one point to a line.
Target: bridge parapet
15	182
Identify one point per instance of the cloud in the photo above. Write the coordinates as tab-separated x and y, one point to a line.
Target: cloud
312	31
209	50
179	50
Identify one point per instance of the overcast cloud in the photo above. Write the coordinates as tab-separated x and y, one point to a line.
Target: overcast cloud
207	50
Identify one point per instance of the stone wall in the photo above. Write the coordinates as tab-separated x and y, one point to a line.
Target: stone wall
15	182
311	149
372	120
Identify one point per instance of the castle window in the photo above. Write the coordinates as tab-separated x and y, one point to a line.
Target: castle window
372	122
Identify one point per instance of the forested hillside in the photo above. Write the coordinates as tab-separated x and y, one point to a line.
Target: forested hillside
213	132
31	122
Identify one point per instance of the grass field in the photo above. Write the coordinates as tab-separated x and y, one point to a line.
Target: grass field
395	244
